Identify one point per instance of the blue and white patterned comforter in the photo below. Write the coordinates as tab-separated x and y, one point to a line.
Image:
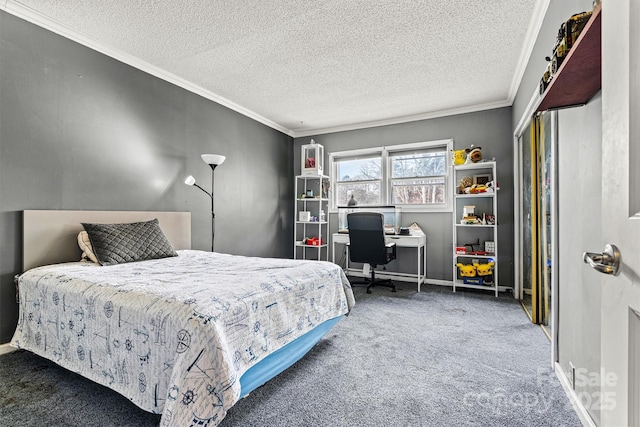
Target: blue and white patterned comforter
175	335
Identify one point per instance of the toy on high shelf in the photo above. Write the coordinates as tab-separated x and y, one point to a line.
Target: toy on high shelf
567	36
459	156
474	154
464	156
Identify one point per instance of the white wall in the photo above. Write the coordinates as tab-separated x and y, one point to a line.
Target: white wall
579	206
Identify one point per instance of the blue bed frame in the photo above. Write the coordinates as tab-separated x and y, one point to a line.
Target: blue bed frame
278	361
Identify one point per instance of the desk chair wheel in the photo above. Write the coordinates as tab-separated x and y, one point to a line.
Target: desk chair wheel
382	283
373	282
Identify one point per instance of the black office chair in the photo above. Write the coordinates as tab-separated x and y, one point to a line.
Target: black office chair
367	245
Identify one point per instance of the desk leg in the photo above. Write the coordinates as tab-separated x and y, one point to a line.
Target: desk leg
419	268
333	253
424	271
346	257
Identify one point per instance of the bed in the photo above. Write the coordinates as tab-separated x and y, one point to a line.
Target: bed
184	335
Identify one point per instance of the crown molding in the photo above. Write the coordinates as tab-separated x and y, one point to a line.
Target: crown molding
535	25
405	119
45	22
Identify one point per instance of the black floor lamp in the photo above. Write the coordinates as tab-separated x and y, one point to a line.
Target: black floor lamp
212	160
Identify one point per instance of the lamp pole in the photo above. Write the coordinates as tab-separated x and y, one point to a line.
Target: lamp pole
212	160
213	215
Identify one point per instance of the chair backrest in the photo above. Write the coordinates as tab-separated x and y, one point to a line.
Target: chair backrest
366	237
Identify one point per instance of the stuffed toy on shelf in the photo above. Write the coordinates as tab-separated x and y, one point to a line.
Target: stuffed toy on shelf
459	156
466	270
474	154
485	270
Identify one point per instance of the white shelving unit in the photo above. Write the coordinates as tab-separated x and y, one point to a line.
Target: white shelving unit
473	237
311	198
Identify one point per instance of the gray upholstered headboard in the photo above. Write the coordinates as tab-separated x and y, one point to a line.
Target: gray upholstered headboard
51	237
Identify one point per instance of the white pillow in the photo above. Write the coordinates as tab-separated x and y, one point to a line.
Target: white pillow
85	246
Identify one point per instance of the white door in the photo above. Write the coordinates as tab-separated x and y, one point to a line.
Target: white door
620	309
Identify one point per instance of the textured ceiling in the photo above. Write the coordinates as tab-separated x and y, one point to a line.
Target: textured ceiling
307	67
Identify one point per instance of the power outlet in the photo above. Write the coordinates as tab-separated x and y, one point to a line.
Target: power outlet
572	376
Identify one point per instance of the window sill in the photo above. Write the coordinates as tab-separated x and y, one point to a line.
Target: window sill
410	209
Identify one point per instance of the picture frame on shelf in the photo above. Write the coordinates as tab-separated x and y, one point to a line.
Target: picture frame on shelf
481	179
489	247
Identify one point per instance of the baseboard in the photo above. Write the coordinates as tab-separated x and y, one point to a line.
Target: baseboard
438	282
6	348
582	412
395	276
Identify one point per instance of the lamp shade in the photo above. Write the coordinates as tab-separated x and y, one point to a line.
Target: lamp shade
213	159
190	180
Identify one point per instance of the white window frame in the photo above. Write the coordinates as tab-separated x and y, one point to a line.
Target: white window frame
385	190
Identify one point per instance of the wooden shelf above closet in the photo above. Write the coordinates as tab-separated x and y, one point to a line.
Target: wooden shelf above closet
580	75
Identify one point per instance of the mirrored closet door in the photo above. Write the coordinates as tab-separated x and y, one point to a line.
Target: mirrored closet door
536	252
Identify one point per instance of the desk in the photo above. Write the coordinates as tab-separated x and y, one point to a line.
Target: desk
419	242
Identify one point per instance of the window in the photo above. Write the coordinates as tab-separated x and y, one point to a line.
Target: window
418	178
360	179
414	176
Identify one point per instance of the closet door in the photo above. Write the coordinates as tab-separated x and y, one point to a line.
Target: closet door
537	251
546	216
528	262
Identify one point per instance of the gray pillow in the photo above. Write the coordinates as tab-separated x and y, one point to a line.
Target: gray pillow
121	243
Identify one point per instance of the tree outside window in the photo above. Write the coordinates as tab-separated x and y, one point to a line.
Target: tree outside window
418	178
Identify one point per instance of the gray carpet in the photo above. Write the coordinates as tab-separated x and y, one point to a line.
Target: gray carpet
400	359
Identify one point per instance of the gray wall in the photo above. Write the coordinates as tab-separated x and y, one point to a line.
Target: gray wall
558	12
489	129
79	130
